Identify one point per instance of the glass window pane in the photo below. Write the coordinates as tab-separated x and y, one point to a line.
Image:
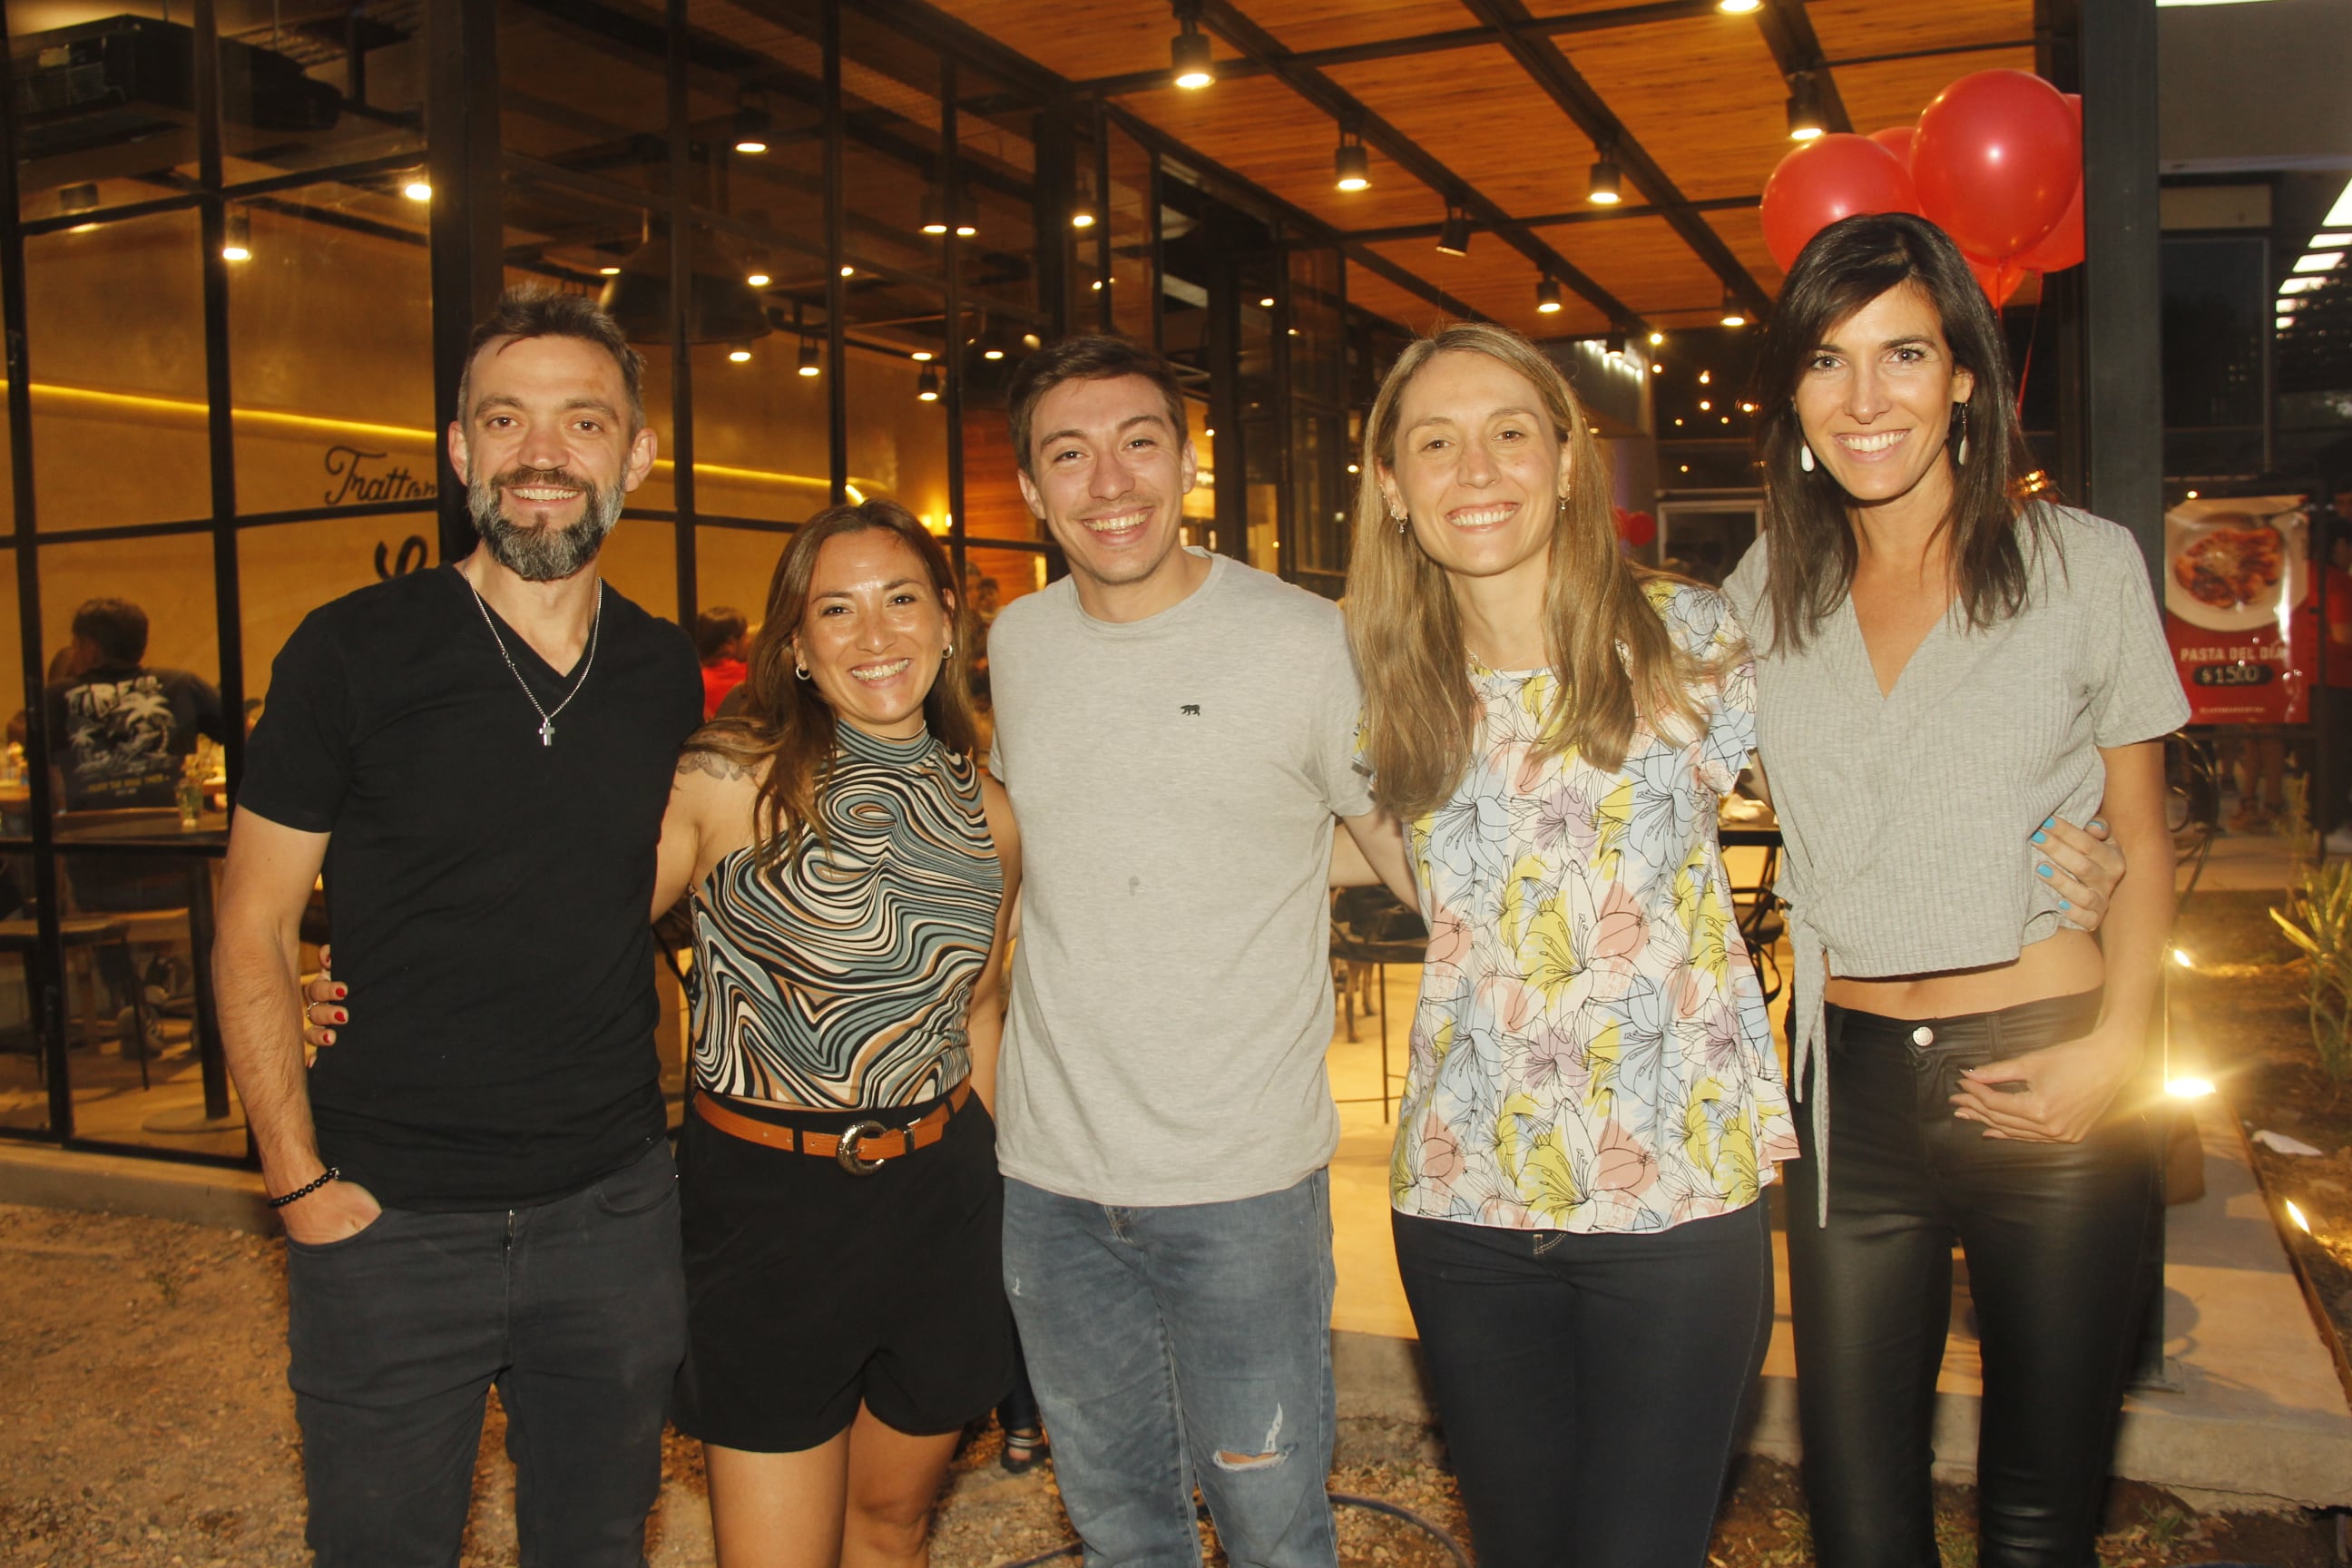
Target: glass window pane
331	352
314	89
286	570
640	560
116	339
760	446
897	419
890	108
1132	284
130	1004
756	96
996	131
587	89
733	566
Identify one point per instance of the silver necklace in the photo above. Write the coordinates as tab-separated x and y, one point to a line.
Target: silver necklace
546	715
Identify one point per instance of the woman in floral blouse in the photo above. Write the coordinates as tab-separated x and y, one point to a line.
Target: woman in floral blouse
1593	1106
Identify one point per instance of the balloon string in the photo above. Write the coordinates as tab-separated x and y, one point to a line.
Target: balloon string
2025	370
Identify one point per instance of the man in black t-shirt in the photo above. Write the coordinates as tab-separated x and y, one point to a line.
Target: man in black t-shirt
123	731
476	1181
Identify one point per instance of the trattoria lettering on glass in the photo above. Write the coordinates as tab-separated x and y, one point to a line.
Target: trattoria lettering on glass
358	477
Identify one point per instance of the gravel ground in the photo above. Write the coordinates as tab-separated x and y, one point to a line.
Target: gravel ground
144	1419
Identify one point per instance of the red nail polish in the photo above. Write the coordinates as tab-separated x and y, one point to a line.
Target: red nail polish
342	992
342	1016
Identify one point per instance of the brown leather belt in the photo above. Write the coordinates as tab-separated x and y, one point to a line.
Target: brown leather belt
860	1148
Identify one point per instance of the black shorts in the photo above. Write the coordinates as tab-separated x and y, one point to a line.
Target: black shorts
811	1290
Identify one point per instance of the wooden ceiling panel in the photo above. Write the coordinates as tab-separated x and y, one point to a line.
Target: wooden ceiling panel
1893	92
1261	130
1641	260
1483	117
1497	280
1851	29
1375	293
1305	25
1118	37
1742	228
1702	97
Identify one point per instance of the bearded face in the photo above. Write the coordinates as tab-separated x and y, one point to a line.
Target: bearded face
517	513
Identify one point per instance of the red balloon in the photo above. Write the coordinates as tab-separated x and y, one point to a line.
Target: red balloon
1638	529
1999	280
1828	179
2063	247
1997	155
1896	139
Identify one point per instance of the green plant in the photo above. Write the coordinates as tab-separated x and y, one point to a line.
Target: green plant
2318	920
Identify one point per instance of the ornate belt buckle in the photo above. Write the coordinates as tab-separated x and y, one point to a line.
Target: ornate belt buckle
851	1139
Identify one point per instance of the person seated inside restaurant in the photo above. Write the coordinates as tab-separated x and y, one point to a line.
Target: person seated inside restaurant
721	635
121	733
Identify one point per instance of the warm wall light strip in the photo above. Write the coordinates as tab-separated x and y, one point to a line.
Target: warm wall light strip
93	403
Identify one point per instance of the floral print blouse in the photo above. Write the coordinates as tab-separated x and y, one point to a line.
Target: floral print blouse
1590	1052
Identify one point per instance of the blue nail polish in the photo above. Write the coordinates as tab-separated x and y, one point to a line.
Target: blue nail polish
2045	870
2048	822
2064	905
2042	838
2099	822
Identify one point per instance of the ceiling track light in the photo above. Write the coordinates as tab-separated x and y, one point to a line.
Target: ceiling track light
1188	52
1605	187
1453	239
236	237
1805	122
739	353
1739	7
1615	343
809	365
1351	165
931	214
926	386
1734	313
752	126
1547	297
1082	209
78	198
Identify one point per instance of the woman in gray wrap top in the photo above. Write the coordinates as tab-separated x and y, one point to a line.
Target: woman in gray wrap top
1943	673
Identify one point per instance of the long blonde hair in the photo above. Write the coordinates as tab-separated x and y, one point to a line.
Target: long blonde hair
786	735
1613	666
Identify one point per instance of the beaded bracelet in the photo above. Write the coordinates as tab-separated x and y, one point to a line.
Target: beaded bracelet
330	1174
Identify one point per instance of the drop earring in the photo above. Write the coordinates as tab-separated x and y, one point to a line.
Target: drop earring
1960	456
1805	456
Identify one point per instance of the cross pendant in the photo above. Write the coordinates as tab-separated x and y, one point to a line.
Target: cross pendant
547	731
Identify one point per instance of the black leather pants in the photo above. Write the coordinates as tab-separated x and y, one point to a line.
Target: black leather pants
2054	1236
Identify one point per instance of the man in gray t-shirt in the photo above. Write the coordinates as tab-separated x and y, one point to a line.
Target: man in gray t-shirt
1176	732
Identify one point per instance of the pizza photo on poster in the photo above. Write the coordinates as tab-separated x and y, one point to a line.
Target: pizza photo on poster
2236	569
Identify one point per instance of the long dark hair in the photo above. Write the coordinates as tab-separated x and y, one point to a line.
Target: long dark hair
788	727
1846	266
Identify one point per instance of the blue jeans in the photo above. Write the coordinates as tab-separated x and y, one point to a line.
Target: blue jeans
575	1309
1182	1346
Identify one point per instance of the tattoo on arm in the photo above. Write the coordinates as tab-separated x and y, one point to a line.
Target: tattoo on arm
711	763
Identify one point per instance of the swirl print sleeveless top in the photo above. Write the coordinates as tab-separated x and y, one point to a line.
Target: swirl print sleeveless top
838	978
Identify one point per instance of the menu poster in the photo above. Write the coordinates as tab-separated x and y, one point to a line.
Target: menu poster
2234	570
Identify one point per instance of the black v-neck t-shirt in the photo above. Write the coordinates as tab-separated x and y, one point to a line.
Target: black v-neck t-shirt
489	894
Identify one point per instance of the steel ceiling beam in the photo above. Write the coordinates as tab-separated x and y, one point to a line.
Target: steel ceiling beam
1541	59
1226	20
1418	44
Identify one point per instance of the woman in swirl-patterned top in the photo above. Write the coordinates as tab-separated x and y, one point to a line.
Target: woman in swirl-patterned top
852	871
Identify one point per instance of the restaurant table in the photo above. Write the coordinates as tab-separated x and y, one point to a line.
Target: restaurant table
202	844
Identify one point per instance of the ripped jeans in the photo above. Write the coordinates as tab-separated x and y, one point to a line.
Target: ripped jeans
1180	1345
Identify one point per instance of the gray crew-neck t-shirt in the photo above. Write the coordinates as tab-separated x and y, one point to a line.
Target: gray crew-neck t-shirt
1175	780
